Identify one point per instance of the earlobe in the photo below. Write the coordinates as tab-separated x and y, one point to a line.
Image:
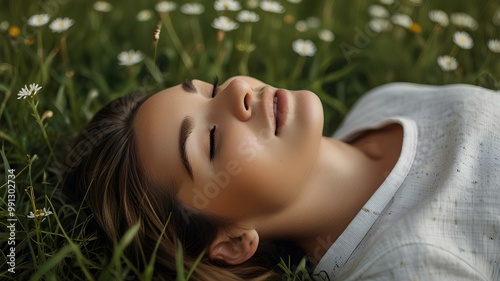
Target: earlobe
234	247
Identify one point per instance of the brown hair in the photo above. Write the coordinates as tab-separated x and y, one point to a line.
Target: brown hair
104	171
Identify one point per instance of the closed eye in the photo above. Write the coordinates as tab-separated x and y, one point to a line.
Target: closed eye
212	143
215	86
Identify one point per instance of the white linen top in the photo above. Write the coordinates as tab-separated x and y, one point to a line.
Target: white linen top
437	214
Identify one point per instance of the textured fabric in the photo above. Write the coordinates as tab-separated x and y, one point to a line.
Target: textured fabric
437	215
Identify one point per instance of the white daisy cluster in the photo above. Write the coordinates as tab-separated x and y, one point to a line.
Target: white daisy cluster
31	92
130	57
304	48
379	14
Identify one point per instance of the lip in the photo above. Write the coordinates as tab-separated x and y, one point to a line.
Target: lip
280	109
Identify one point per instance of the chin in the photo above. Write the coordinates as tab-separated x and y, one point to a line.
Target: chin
310	111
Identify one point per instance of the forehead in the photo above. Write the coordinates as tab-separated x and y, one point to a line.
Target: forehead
156	129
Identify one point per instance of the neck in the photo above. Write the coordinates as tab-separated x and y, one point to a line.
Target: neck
341	181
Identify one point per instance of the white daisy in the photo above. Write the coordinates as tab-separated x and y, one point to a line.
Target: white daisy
130	57
326	35
144	15
61	24
192	9
439	17
31	92
464	20
103	6
494	45
313	22
247	16
272	6
4	25
40	213
224	23
301	26
38	20
402	20
305	48
387	2
165	6
463	40
380	25
227	5
378	11
496	17
447	63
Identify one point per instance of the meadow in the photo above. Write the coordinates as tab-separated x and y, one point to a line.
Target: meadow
62	60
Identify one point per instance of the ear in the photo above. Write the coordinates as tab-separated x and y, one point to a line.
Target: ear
234	247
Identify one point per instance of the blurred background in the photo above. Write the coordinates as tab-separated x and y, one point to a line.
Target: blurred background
85	53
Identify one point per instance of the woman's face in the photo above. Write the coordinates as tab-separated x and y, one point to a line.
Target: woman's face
239	150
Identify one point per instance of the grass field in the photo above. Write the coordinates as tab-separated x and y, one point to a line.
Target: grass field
348	48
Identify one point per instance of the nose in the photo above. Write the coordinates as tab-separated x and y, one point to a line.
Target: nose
238	95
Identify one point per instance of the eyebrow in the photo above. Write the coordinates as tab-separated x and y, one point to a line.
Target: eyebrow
186	129
188	86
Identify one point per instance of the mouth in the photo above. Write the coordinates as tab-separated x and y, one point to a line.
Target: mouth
280	108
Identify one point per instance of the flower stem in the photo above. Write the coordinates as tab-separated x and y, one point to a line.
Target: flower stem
32	104
177	43
246	53
298	69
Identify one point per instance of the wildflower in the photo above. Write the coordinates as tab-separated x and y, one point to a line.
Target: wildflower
313	22
144	15
439	17
464	20
61	24
47	114
387	2
31	92
247	16
463	40
102	6
40	213
224	23
447	63
494	45
38	20
192	9
415	28
301	26
402	20
272	6
165	6
305	48
326	35
227	5
496	17
378	11
14	31
130	57
4	25
380	25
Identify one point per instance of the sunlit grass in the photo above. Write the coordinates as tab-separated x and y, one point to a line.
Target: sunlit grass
354	46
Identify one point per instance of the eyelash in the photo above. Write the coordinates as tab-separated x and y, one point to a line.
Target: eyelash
212	131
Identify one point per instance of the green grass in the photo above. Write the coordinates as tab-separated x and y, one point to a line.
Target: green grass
79	72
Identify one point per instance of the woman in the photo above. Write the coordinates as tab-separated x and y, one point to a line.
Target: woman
407	188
